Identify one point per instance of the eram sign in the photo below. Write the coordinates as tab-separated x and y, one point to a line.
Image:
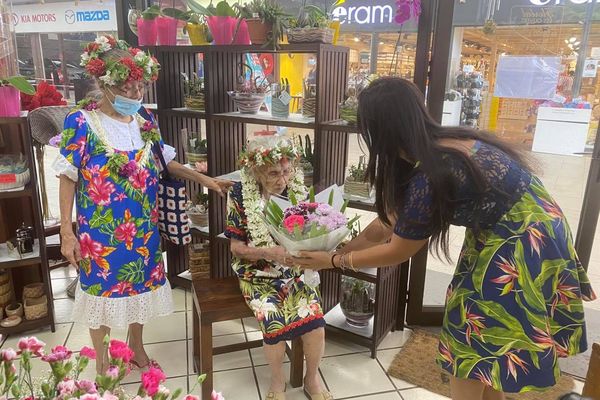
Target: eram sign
557	2
85	16
369	16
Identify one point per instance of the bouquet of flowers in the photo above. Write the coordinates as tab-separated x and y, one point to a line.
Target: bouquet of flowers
318	224
45	95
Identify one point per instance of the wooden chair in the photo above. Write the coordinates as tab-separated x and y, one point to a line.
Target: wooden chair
217	300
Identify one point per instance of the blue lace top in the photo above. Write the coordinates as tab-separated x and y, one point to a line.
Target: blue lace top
501	172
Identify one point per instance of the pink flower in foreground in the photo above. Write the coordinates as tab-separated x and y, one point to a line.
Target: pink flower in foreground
67	387
120	351
31	344
293	221
87	386
90	396
88	353
112	372
216	396
59	353
191	397
8	355
151	380
109	396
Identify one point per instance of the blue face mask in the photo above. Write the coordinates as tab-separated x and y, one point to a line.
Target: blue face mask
126	106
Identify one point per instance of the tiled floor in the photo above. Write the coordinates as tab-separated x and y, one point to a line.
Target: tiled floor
347	369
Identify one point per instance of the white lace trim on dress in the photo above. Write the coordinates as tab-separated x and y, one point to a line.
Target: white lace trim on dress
97	311
63	167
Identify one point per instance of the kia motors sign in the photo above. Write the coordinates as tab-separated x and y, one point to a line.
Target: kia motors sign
70	17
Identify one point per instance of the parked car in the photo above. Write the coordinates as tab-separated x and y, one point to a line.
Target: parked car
53	70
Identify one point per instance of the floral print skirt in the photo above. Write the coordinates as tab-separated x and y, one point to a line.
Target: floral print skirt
514	305
285	307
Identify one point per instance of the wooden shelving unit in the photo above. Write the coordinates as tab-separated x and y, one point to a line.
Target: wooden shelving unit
18	207
226	136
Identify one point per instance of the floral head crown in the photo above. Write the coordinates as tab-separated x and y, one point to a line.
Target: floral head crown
268	152
141	66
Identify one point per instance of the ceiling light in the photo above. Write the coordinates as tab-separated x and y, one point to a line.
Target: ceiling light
567	41
576	43
356	39
573	39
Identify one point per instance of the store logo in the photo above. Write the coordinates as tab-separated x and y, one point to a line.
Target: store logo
70	17
365	15
557	2
86	16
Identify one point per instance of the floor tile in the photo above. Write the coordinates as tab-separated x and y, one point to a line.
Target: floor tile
250	324
263	374
171	356
228	327
179	299
354	375
57	338
63	310
80	336
395	339
420	394
168	328
383	396
386	357
238	359
337	347
59	288
65	272
258	353
233	384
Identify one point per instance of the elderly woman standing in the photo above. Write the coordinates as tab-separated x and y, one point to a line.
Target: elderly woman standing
106	164
284	305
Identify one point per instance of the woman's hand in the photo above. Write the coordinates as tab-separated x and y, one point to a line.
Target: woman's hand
69	247
315	260
279	255
218	185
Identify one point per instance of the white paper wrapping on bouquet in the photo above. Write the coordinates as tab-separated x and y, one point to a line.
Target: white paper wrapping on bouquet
326	242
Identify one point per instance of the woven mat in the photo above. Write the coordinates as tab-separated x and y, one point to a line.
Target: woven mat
415	363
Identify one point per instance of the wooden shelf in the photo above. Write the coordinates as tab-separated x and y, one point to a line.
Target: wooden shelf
29	325
339	126
15	194
265	118
284	48
183	112
200	231
7	261
14	120
335	319
361	203
232	176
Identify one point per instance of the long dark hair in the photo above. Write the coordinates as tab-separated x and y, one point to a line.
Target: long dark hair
399	132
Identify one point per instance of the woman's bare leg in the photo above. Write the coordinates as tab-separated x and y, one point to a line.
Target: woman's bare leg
313	344
97	336
275	354
463	389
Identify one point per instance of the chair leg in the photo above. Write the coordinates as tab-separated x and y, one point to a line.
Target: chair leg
206	357
195	338
591	388
296	363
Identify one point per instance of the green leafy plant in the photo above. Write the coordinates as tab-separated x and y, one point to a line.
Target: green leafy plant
358	172
269	12
152	12
310	16
196	144
189	16
19	83
222	9
193	86
201	199
252	85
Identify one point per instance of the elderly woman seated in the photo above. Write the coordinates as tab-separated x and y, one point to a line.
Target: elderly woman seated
284	305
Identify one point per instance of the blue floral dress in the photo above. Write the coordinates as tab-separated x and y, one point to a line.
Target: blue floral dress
514	305
122	273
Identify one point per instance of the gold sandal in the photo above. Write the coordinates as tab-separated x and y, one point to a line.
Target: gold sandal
324	395
276	395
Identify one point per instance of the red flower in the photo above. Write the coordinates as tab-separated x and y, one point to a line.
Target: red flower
112	41
32	345
134	50
139	178
126	233
536	239
158	273
154	215
120	351
484	377
135	72
100	190
512	361
90	248
96	67
92	47
445	353
122	288
564	294
45	95
88	353
293	221
151	380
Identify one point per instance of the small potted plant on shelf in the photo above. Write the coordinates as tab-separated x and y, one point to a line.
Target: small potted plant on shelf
146	26
267	21
195	25
349	107
249	94
306	161
357	301
224	22
355	183
310	26
193	92
10	95
197	150
197	210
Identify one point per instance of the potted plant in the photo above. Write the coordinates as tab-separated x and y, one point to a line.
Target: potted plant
357	301
10	95
224	23
197	210
146	26
349	107
195	25
311	25
356	184
166	28
197	150
249	94
306	161
267	21
193	92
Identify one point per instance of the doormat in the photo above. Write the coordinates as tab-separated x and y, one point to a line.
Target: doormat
415	363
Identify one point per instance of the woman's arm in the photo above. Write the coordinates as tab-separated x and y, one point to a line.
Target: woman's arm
179	171
375	233
69	243
242	251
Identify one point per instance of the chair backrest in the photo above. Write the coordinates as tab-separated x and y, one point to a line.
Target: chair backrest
47	122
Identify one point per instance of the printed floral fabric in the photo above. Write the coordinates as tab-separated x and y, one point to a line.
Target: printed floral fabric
116	217
283	304
514	305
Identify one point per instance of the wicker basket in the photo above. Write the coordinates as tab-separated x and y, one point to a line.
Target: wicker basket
247	103
13	181
309	107
199	219
6	297
4	278
33	290
194	102
200	261
360	189
36	308
4	288
193	158
310	35
14	309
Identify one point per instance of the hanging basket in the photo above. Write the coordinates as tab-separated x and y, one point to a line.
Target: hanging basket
310	35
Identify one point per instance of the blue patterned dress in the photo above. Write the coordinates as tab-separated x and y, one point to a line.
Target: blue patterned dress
122	273
514	305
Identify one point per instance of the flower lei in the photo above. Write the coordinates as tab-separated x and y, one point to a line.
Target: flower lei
268	156
115	72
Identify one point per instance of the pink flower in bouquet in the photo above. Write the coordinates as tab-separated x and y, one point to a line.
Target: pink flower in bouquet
216	396
31	344
87	386
88	353
66	387
128	169
59	353
292	221
120	351
112	372
151	380
8	355
109	396
90	396
191	397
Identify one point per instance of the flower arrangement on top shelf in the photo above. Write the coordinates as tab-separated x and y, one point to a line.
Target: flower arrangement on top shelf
306	160
356	184
267	22
349	107
64	380
154	26
225	24
193	89
10	95
197	210
249	94
313	24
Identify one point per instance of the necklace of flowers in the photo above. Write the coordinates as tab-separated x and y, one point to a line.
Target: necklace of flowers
253	205
118	161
